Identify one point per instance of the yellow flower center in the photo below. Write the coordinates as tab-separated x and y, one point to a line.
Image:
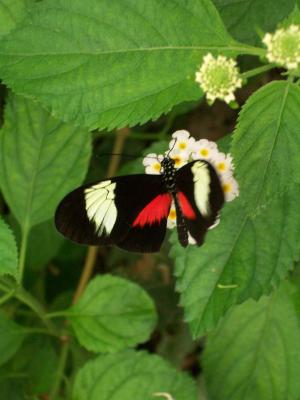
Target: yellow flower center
204	152
227	187
221	166
172	214
182	145
156	167
177	160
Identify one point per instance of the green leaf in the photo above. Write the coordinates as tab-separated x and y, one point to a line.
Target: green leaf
131	375
255	352
8	251
11	338
266	149
243	18
244	257
36	361
12	12
43	159
88	63
112	314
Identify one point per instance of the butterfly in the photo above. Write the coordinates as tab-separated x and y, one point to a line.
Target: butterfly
131	211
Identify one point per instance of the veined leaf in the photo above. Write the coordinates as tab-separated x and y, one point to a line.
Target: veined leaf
243	18
112	314
266	144
88	63
255	352
8	251
243	257
11	338
131	375
43	159
12	12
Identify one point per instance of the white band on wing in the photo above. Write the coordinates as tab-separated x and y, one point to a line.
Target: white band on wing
100	206
201	178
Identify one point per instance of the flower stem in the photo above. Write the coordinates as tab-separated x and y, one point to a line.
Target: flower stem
23	250
257	71
63	357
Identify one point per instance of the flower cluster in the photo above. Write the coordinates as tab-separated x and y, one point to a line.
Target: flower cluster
219	78
283	47
183	149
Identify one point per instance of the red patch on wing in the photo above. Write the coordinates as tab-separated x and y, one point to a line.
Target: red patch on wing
155	211
187	209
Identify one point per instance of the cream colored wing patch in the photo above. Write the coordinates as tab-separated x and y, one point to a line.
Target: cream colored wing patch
100	206
201	178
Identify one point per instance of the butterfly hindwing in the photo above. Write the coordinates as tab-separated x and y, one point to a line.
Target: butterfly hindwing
200	196
128	211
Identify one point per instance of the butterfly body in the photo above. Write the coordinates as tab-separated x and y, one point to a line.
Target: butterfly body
132	211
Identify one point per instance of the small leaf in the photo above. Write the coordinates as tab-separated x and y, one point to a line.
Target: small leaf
255	352
244	257
43	159
8	251
131	375
12	12
87	63
11	338
112	314
268	144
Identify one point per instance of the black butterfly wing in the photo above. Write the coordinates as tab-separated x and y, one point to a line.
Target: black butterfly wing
200	196
128	211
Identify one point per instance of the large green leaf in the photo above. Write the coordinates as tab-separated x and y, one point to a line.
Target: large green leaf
43	159
255	352
89	63
12	12
8	251
266	144
112	314
11	338
244	17
243	257
131	375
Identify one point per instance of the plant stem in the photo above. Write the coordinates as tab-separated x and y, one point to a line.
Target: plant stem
57	314
60	369
7	296
257	71
26	298
23	250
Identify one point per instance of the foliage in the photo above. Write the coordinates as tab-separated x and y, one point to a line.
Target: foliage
86	324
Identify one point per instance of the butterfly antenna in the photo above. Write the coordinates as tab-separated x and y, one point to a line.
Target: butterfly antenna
175	140
122	155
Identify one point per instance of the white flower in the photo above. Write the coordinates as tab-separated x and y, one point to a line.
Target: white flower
181	141
152	162
283	46
180	157
219	78
223	164
230	188
204	149
171	221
